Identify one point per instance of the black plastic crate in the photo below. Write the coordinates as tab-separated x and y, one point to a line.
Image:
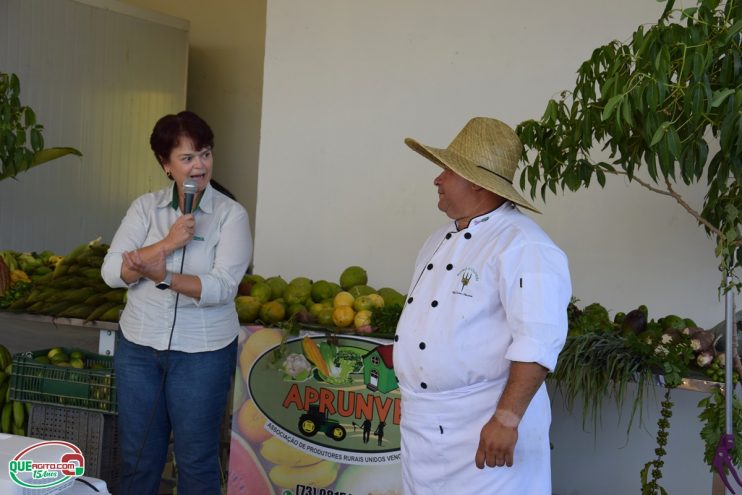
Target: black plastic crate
95	433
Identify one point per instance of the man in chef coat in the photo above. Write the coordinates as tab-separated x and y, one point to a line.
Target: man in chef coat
484	321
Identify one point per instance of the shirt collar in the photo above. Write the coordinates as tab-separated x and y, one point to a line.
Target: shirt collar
479	220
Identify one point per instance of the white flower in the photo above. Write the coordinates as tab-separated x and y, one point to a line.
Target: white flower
661	350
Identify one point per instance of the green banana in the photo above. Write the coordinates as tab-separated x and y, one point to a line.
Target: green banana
3	392
112	314
76	311
115	295
101	310
19	414
6	418
5	357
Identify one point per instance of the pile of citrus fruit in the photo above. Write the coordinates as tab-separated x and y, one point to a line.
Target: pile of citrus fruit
349	303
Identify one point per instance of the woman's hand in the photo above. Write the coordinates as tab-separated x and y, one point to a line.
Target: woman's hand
181	232
151	267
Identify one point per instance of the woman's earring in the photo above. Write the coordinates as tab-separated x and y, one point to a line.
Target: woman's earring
169	175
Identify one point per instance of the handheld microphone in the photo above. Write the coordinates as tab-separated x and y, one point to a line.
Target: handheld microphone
190	188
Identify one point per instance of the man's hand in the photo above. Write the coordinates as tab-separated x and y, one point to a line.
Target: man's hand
496	444
498	437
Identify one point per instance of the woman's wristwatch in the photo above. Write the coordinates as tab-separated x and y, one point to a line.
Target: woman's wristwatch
166	283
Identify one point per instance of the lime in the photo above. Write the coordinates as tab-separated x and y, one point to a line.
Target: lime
297	294
59	357
363	303
391	296
53	351
361	290
325	317
261	291
295	308
322	289
272	312
301	282
352	276
315	308
253	278
248	308
278	285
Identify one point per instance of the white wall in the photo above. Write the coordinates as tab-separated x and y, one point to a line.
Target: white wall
98	76
225	83
346	82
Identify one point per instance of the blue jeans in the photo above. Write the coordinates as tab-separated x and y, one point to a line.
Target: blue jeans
190	402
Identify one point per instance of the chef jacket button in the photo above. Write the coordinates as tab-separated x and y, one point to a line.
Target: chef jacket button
409	301
434	303
430	266
467	235
396	338
448	236
449	267
423	385
422	345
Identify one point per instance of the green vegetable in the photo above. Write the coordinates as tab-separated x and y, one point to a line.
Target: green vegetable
385	319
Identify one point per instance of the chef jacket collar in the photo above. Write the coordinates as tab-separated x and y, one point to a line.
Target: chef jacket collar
478	220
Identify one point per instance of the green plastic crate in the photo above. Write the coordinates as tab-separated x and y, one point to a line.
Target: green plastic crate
92	388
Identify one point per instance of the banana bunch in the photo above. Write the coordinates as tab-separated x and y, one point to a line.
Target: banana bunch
13	414
74	288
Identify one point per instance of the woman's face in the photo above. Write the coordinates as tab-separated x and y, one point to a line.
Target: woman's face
186	162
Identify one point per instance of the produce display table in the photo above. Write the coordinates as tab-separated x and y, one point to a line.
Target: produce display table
314	413
106	330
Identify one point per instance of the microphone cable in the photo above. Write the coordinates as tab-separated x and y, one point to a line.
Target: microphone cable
164	373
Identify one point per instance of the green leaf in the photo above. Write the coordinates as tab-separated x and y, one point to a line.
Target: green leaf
37	140
550	114
673	142
659	133
720	96
736	28
626	112
29	117
49	154
610	106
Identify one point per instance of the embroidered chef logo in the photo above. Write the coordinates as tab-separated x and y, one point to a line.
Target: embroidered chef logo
466	278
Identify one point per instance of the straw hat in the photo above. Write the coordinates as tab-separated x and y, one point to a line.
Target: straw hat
485	152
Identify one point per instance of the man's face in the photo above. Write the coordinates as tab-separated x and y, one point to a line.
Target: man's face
454	193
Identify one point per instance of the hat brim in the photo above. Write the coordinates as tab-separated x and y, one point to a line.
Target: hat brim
471	172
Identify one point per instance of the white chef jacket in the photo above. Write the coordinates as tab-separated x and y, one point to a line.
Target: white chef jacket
218	254
480	298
